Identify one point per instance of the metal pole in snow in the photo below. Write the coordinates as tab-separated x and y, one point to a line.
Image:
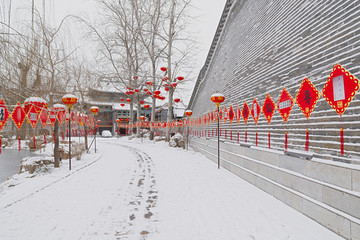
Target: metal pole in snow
218	135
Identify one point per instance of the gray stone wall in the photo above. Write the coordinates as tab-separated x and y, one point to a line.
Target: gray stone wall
266	45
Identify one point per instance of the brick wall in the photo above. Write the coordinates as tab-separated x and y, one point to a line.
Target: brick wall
262	46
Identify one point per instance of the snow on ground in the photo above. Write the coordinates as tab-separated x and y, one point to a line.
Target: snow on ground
133	190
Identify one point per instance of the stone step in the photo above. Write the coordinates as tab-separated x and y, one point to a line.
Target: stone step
326	191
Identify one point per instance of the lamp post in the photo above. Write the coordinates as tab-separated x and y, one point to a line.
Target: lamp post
95	111
69	100
218	98
188	113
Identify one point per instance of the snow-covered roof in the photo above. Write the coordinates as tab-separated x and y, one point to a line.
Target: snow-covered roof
115	106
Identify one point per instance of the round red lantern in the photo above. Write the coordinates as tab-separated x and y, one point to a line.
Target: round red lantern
98	121
148	93
137	90
135	77
145	89
217	98
176	100
173	85
180	78
188	113
149	83
157	92
131	92
146	106
122	104
142	117
163	69
117	120
166	89
96	125
94	110
37	102
142	102
69	99
121	119
128	100
121	99
156	96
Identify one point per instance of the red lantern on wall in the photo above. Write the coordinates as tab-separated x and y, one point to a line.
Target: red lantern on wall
163	69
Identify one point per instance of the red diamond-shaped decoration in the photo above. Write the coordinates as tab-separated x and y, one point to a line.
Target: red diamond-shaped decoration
220	113
268	108
238	114
246	112
52	116
18	115
340	88
285	104
33	116
307	97
225	114
255	111
43	118
180	123
231	114
4	113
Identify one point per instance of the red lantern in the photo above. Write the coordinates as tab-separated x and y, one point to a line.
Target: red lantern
137	90
149	83
131	92
121	119
217	98
156	96
145	89
148	93
163	69
142	118
69	99
173	85
146	106
117	120
121	99
177	100
37	102
142	102
94	110
164	80
188	113
128	100
166	89
161	97
180	78
122	104
135	77
157	92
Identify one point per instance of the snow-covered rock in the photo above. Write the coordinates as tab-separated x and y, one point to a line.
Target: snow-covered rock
177	141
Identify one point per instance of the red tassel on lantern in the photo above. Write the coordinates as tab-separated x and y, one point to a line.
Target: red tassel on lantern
19	144
0	145
225	134
342	141
307	140
62	135
269	139
54	136
286	145
34	141
256	138
44	139
238	137
245	136
231	135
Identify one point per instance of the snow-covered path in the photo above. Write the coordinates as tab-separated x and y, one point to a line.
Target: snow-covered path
147	191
